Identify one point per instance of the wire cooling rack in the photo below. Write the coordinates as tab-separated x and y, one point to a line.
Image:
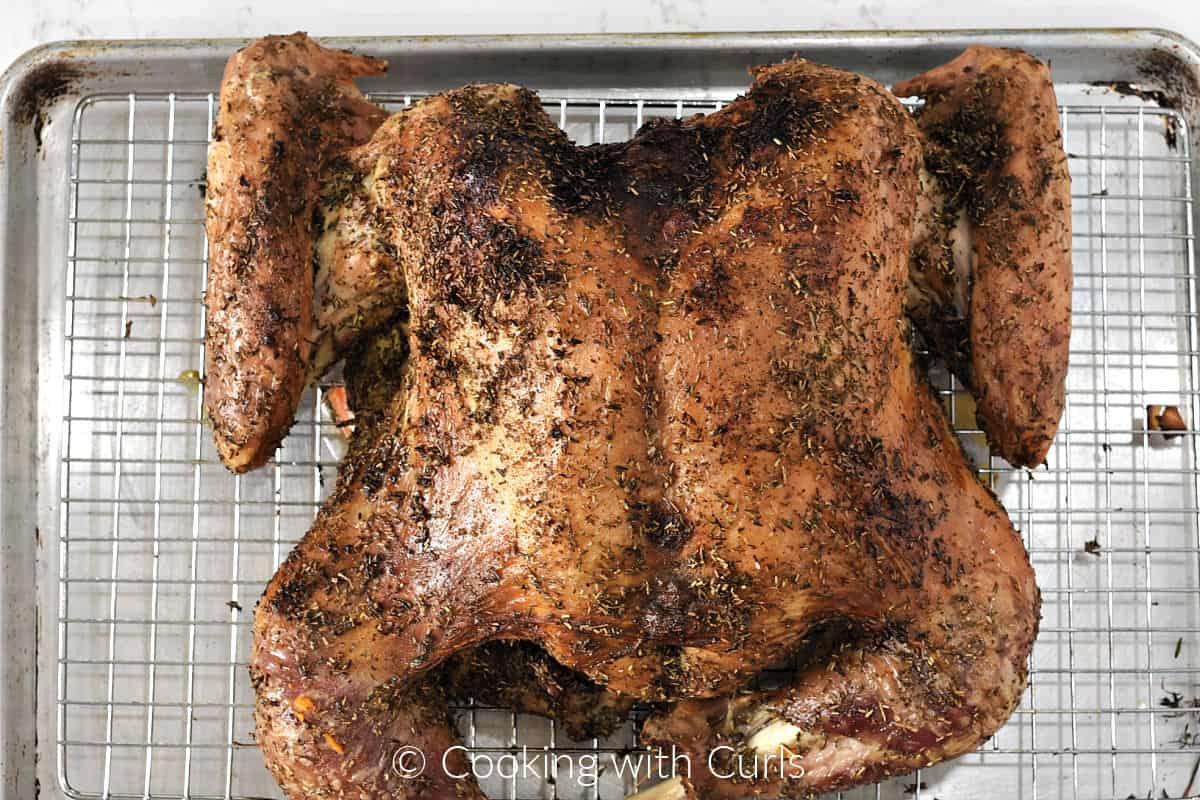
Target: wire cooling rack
163	553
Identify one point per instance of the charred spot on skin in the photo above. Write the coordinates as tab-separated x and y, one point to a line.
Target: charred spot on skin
660	523
844	195
711	290
340	179
779	116
964	154
481	259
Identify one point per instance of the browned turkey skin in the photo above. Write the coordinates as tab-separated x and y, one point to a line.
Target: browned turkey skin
649	408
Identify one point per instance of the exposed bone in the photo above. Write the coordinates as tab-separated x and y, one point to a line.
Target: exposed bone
777	734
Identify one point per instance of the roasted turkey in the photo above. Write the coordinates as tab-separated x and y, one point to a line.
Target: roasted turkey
636	422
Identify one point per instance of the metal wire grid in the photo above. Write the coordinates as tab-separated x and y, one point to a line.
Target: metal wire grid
162	553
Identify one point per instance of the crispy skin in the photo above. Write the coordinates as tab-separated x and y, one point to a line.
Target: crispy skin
287	107
660	417
1003	322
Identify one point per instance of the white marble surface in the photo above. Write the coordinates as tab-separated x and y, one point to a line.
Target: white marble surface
25	23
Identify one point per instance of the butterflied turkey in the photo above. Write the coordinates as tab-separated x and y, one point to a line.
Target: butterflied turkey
635	422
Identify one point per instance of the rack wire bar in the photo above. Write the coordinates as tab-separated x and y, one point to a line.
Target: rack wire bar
162	552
